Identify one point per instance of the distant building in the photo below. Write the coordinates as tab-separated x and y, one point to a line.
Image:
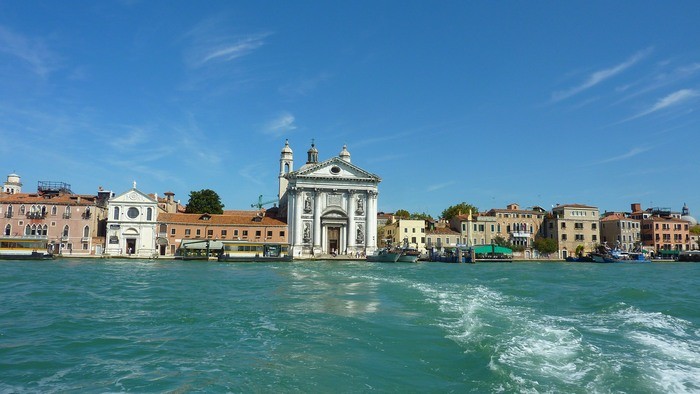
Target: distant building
406	233
619	230
663	230
475	229
250	226
330	205
72	224
518	226
441	239
573	225
131	224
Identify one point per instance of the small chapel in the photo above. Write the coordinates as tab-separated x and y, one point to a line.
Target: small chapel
331	206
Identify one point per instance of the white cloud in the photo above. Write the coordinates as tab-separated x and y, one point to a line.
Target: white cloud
280	125
32	52
600	76
230	50
670	100
632	153
439	186
211	42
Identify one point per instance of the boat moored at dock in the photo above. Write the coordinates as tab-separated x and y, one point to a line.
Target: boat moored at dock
385	256
24	248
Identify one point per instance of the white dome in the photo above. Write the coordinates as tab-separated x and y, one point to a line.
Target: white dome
690	219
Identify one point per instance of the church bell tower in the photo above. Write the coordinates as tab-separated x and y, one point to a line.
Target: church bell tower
286	166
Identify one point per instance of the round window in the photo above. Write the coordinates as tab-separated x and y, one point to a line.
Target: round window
335	170
132	213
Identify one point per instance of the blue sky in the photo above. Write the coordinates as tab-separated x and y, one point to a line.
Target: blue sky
490	103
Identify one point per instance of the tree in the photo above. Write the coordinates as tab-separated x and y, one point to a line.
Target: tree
402	213
461	208
422	215
545	246
501	241
204	201
579	250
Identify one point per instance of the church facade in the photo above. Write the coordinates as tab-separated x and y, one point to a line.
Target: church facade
331	205
131	224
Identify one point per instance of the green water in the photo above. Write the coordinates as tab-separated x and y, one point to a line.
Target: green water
161	326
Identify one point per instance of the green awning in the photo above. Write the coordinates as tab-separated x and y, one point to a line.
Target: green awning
486	249
669	252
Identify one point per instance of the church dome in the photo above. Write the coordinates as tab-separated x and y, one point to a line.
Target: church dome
686	215
312	154
690	219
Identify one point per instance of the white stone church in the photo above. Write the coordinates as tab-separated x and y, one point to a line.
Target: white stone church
331	205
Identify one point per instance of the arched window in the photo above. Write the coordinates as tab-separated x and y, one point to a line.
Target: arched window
163	228
27	230
9	211
149	213
86	232
53	210
8	229
33	229
116	213
65	230
45	230
22	210
286	168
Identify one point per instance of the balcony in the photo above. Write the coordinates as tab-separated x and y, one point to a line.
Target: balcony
86	215
520	234
85	239
8	214
36	215
66	215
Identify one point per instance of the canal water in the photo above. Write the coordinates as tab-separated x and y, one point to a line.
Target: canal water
314	326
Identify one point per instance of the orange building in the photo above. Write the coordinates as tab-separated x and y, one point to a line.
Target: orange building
252	226
663	230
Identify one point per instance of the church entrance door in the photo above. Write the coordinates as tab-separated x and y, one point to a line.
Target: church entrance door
334	239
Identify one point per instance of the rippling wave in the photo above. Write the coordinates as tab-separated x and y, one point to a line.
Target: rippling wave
348	327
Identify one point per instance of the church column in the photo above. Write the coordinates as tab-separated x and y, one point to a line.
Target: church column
350	230
317	220
296	225
371	228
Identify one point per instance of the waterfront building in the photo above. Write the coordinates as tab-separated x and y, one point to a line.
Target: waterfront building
131	224
663	230
247	226
331	206
519	226
406	233
475	229
439	240
573	225
72	224
617	229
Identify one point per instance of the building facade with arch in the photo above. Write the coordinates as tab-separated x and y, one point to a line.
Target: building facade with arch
131	224
331	206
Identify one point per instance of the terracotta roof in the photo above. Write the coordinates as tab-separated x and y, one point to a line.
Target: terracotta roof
247	219
34	198
615	217
574	206
443	230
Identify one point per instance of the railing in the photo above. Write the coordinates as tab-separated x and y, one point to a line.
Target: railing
520	234
66	215
8	214
36	215
86	215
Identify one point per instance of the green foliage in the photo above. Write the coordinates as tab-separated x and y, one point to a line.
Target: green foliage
501	241
204	201
461	208
695	229
545	246
402	213
421	216
579	250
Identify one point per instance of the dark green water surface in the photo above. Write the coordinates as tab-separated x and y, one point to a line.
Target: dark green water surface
161	326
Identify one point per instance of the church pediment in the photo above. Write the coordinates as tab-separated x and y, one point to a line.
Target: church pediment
133	196
335	168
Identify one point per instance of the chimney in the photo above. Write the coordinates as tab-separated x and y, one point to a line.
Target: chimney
636	207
